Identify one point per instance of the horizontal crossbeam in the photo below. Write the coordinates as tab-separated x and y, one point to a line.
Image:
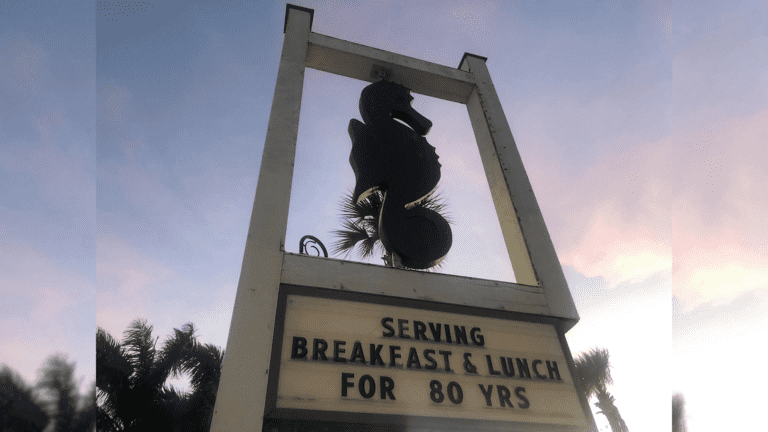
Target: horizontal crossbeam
357	61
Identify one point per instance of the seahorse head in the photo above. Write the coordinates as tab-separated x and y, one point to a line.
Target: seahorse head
382	101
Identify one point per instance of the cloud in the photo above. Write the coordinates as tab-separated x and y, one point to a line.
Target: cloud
719	233
693	202
611	221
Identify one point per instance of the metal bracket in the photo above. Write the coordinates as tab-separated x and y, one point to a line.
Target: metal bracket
380	72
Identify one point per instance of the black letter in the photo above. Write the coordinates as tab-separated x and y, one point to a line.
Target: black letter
299	348
357	352
507	367
436	391
393	355
430	359
436	332
504	395
468	366
338	350
552	367
519	393
477	338
402	328
448	333
371	386
487	393
536	371
413	357
445	356
384	322
419	329
453	385
375	355
490	366
345	383
318	348
387	385
522	368
461	334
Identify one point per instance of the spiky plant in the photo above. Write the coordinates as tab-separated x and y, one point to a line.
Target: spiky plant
360	225
131	380
593	371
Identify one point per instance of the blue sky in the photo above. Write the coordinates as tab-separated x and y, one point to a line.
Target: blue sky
131	136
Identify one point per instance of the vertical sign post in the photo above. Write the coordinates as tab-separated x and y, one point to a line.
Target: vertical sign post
242	390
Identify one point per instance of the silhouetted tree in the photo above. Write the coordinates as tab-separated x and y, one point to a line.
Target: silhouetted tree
593	370
678	413
131	380
360	225
57	383
20	409
53	405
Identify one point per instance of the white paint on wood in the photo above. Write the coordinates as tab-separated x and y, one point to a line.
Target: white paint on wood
356	61
410	284
243	386
530	235
505	210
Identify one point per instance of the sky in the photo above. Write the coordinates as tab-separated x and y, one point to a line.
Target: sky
131	136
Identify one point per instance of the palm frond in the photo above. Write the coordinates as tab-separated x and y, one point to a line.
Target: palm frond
360	224
106	420
112	364
348	237
175	351
137	340
368	247
369	207
593	369
204	368
436	202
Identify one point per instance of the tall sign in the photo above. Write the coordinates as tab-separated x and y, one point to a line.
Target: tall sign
324	344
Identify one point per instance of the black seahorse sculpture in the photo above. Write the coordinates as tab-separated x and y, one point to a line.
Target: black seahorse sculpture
398	160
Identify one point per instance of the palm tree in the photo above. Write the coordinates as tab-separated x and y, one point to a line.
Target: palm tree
131	380
204	370
54	404
678	413
68	410
593	371
20	408
360	226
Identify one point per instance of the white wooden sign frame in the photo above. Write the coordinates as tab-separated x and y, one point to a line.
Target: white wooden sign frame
541	288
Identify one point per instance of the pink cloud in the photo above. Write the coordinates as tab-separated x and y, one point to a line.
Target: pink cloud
612	220
719	224
693	203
